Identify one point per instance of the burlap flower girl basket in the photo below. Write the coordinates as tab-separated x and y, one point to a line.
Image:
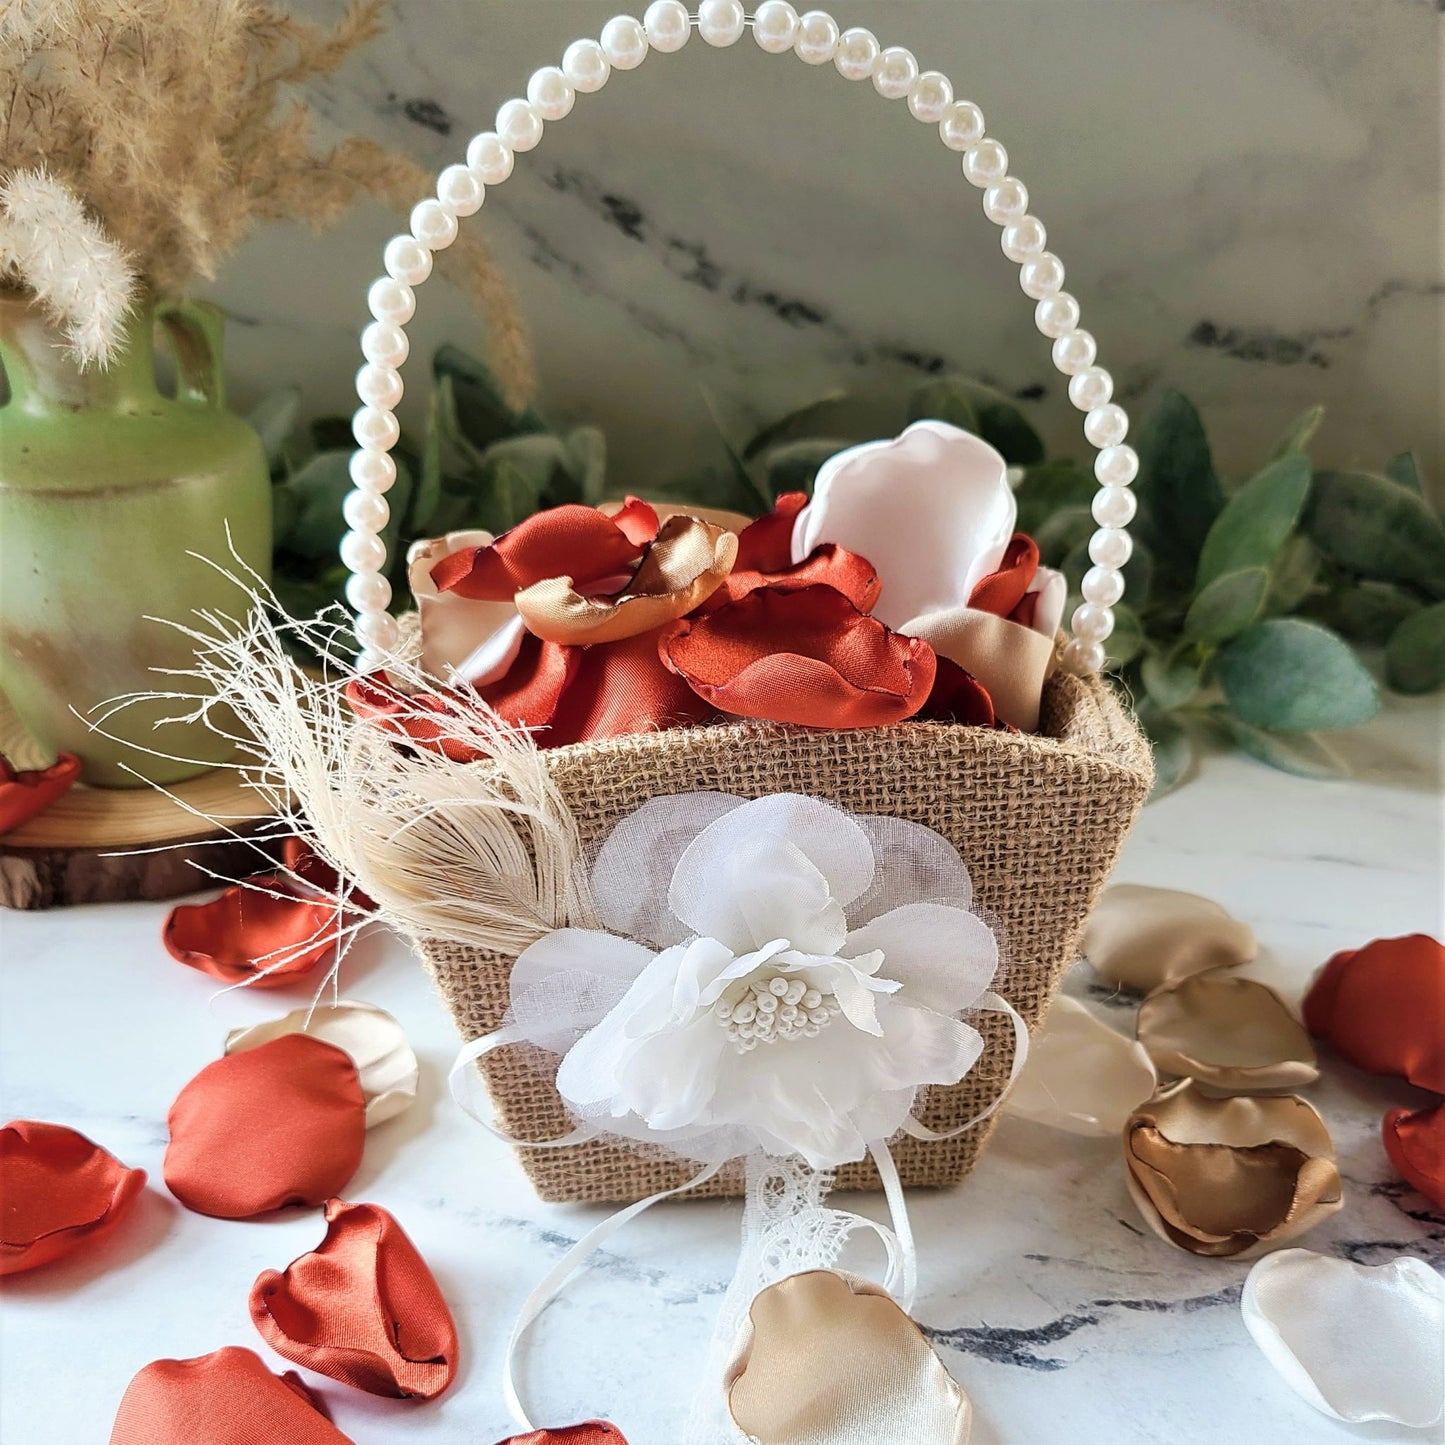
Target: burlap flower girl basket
1039	819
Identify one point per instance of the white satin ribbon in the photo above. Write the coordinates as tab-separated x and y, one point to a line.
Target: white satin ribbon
462	1081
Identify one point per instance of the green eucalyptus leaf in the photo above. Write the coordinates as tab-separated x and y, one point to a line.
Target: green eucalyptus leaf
274	418
1173	749
1304	754
1288	675
1301	432
1227	605
748	484
982	410
1138	574
1375	527
482	412
1049	488
1404	468
429	473
1256	521
1292	576
512	495
1126	641
284	508
818	415
1415	656
1178	491
1369	612
399	499
316	493
585	459
792	466
331	434
709	487
1171	680
1063	539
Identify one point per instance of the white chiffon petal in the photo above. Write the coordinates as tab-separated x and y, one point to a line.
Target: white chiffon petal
568	980
1358	1342
1081	1075
375	1041
932	510
781	895
943	956
914	865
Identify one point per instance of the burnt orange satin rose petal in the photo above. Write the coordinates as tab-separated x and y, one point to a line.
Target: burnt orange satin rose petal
594	1432
361	1308
1003	592
829	565
807	657
1415	1143
225	1398
264	932
681	570
571	541
25	793
1381	1007
280	1124
58	1191
767	544
297	855
958	697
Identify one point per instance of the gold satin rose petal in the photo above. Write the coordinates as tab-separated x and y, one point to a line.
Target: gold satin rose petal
1139	937
1081	1075
681	570
1230	1033
1229	1177
828	1359
375	1041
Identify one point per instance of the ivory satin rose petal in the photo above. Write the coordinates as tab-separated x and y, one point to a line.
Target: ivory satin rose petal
454	627
1358	1342
1229	1177
1140	937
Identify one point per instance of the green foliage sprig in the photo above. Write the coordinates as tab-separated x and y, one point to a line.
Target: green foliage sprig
1246	603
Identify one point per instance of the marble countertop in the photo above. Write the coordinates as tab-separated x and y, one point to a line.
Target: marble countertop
1058	1312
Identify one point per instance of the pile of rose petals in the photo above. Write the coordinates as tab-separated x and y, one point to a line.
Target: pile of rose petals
24	793
60	1192
1382	1008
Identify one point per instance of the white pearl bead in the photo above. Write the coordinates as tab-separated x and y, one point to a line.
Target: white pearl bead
1102	585
667	24
1075	350
1114	506
379	386
373	471
433	225
1041	275
624	42
962	126
383	344
1055	315
1106	426
894	72
720	22
490	157
1110	547
857	50
1092	623
1025	238
519	125
1092	387
406	259
930	97
1005	201
365	511
1116	466
985	163
586	66
1083	658
817	38
550	93
368	591
461	191
363	552
369	661
377	631
375	427
775	26
390	300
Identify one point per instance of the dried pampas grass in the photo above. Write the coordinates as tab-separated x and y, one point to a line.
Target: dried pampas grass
176	123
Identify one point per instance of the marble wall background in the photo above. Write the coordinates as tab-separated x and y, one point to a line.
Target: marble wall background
1246	194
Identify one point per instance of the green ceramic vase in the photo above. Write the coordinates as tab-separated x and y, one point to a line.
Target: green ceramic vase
106	486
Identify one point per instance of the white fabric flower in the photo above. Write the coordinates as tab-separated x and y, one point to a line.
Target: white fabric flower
791	977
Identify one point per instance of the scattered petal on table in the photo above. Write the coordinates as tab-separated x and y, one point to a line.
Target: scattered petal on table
1142	937
1228	1032
225	1398
263	932
1081	1075
373	1039
58	1191
827	1359
311	868
1415	1143
279	1124
1381	1006
25	793
1358	1342
594	1432
1229	1177
362	1308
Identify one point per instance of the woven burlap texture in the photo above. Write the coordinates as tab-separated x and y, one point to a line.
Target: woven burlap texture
1038	819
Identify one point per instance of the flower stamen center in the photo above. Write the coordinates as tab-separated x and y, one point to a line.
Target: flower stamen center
772	1007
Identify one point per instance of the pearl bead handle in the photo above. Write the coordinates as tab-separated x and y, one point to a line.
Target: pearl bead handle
816	39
